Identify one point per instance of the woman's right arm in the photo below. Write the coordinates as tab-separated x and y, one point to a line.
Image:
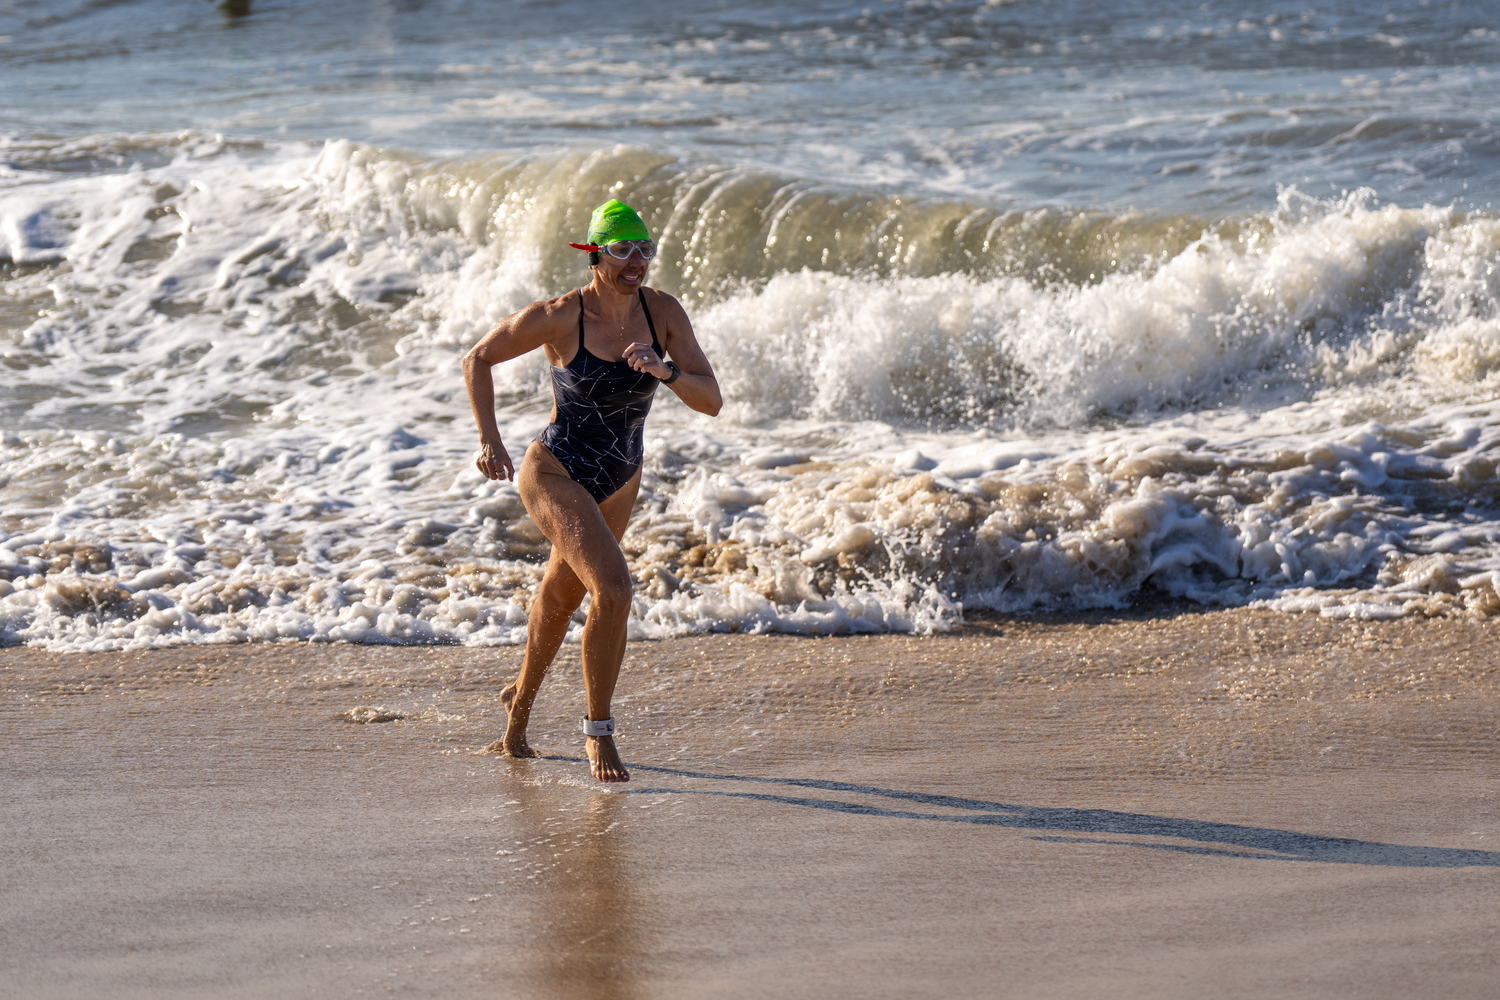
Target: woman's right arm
515	335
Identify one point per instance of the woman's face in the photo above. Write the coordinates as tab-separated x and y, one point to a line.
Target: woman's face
624	276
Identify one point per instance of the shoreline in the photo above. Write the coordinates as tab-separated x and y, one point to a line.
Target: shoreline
1241	803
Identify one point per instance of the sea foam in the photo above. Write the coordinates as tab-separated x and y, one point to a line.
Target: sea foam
236	410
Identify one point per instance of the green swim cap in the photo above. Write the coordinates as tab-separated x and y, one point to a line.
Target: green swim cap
615	220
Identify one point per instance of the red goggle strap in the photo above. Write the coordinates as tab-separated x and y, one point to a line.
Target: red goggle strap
591	248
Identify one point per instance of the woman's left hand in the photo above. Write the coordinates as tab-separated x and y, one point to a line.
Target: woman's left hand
643	359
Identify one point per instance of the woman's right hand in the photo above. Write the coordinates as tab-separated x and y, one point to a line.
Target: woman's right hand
494	461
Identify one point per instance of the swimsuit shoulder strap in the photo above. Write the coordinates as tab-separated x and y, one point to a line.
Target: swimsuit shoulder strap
655	344
580	321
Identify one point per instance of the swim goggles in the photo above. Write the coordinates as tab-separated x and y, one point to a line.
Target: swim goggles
620	249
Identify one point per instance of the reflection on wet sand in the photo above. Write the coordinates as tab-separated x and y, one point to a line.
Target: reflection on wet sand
583	937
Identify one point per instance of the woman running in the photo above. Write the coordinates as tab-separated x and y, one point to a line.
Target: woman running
608	345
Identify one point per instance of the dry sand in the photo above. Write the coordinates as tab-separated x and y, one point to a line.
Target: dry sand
1170	804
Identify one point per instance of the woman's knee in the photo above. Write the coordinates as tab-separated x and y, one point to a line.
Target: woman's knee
613	592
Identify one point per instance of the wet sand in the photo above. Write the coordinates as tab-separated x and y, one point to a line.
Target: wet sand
1167	804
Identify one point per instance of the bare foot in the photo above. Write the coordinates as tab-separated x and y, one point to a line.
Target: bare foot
514	740
604	759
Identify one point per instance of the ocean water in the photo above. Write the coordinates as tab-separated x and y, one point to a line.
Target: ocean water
1016	305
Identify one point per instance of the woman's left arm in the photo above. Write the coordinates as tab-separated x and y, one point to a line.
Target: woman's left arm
696	386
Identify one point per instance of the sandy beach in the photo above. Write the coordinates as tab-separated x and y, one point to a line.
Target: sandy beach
1167	804
1010	306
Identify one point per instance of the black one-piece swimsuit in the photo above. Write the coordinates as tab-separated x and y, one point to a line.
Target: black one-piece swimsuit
599	432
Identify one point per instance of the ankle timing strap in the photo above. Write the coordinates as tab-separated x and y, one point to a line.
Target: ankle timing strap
604	727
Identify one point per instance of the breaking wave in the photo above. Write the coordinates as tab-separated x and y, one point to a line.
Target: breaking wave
235	409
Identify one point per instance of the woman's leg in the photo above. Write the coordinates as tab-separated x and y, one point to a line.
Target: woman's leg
558	597
586	557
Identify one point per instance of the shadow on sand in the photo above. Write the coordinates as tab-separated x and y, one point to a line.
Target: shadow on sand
1244	841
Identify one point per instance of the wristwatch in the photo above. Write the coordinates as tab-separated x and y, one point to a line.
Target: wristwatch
675	373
